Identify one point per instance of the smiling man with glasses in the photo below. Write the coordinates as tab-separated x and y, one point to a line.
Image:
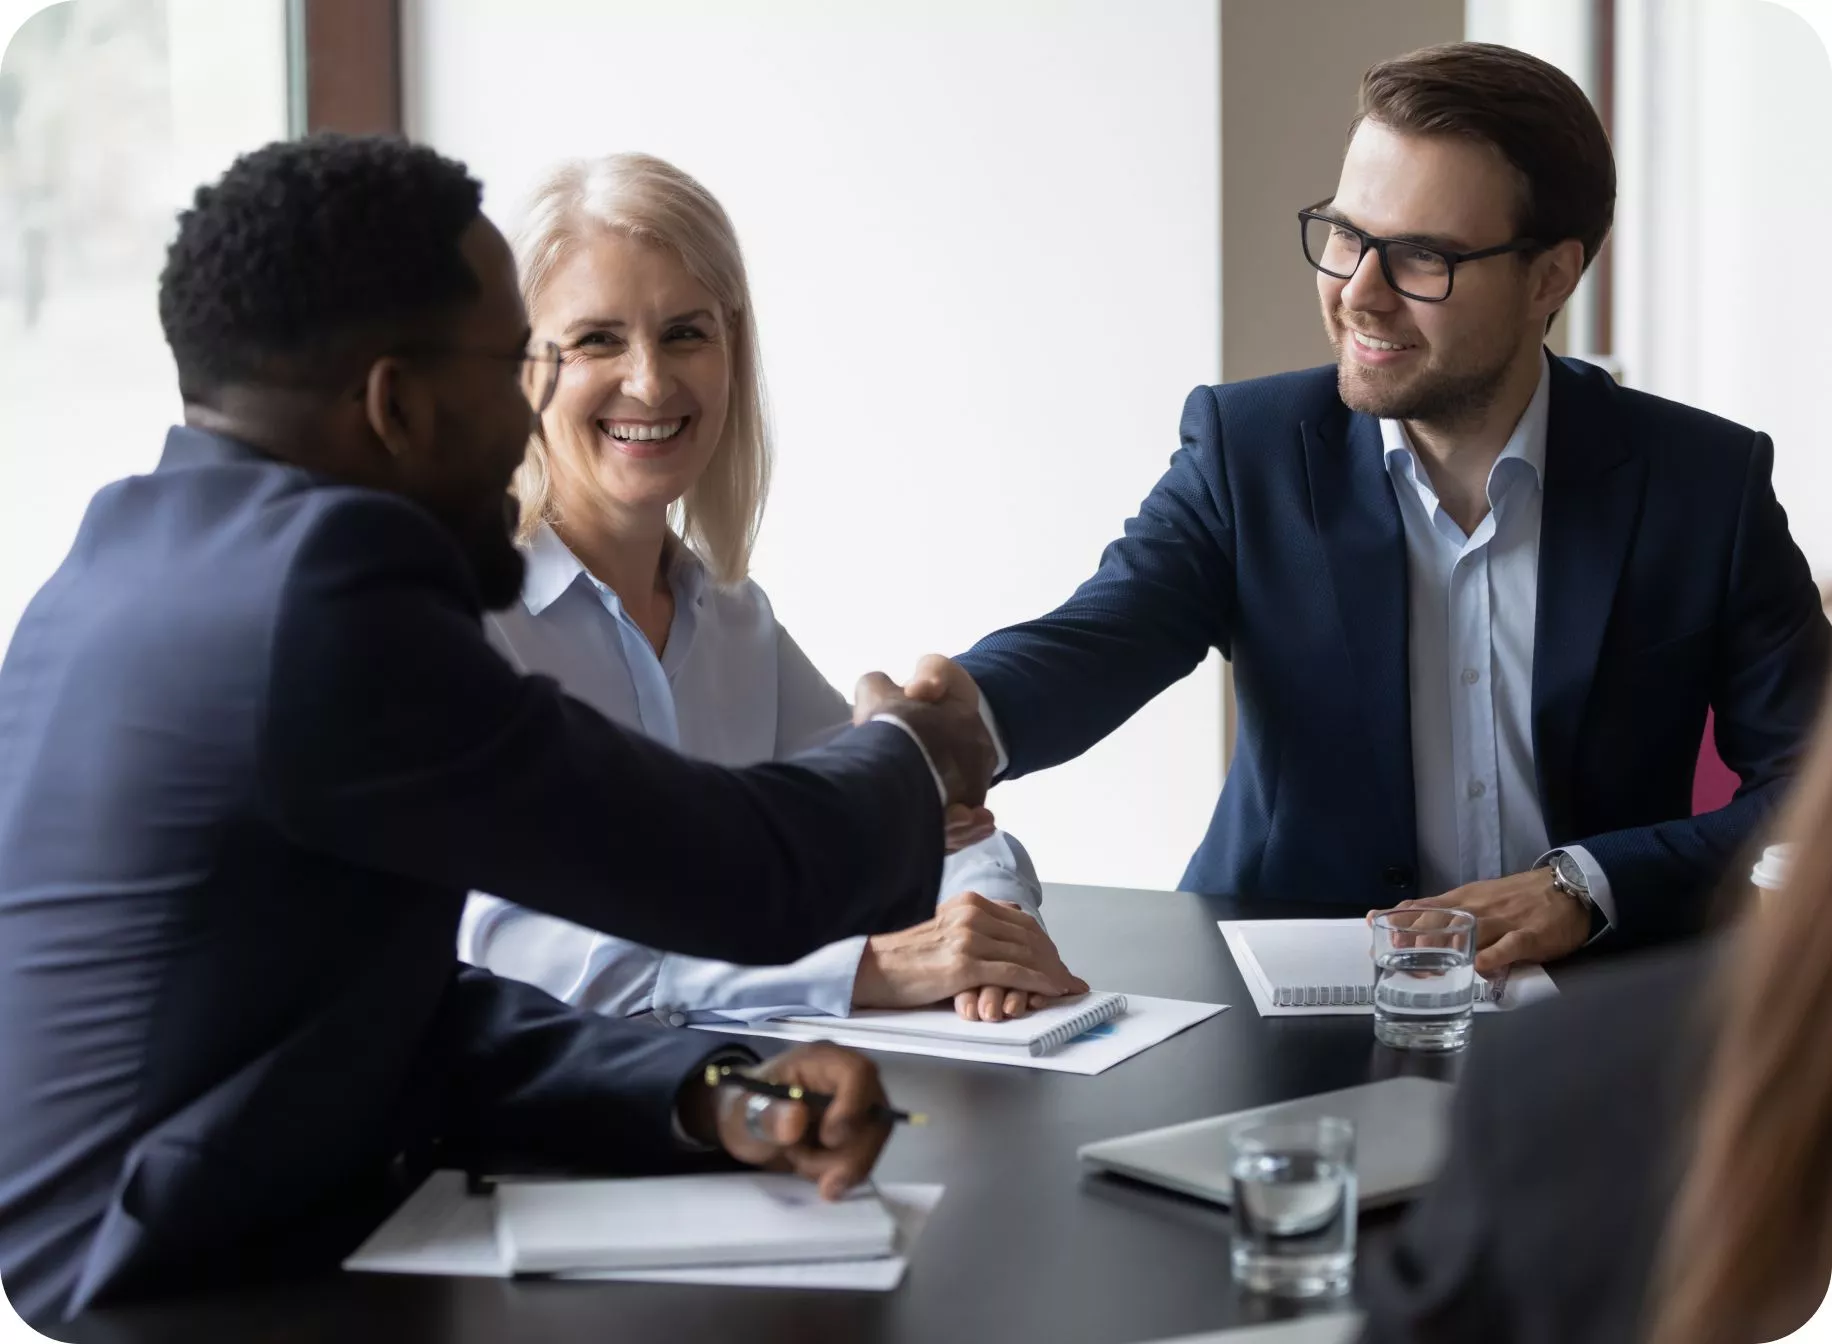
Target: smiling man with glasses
1478	598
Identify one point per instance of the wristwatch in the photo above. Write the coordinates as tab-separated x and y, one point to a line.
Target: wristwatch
1568	878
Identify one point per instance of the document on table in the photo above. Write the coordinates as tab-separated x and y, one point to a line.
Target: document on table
1336	1327
443	1230
1145	1022
1325	968
682	1222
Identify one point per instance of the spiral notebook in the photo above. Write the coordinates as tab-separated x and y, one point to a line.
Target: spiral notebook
1042	1033
1321	967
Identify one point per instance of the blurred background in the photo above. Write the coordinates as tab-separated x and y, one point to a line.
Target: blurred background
993	244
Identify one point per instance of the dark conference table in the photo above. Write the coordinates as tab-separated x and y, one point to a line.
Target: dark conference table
1024	1246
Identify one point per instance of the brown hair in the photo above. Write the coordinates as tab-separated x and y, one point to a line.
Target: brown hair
1533	114
1750	1229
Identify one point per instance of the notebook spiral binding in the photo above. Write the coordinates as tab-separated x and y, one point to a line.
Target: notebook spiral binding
1104	1009
1354	996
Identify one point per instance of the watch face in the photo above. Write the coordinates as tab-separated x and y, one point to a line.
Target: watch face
1569	870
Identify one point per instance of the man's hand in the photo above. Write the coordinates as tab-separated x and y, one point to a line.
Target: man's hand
991	958
938	679
1518	918
835	1147
950	730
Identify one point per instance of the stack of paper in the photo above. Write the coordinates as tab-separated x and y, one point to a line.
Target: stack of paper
1087	1034
442	1229
675	1222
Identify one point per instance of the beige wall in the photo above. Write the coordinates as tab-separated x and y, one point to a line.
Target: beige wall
1289	73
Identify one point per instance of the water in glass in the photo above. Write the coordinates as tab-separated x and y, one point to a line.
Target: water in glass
1294	1208
1424	980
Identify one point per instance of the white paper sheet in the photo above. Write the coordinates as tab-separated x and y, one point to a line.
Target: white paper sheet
1145	1023
1336	1327
1525	985
441	1230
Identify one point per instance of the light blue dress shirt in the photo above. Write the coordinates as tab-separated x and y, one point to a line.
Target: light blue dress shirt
730	687
1472	603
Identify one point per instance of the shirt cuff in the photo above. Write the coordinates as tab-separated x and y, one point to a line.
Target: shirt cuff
1595	879
1001	762
940	788
693	990
999	869
735	1055
483	916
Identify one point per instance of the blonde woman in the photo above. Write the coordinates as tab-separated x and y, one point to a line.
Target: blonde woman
641	496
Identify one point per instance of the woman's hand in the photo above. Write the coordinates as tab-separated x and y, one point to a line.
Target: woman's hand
991	958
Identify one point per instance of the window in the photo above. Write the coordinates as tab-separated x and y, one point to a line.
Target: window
111	113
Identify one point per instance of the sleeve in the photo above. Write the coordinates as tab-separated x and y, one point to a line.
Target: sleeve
1162	596
551	954
527	1078
396	739
693	989
1000	869
809	711
1772	667
1435	1281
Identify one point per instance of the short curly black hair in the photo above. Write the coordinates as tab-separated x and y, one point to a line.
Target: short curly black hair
308	250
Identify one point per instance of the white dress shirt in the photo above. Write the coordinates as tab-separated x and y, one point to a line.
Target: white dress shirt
730	687
1472	600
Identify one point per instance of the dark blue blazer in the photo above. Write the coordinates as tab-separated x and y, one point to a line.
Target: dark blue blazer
1668	584
254	749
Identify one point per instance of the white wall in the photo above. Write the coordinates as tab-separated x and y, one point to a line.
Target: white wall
1723	111
983	243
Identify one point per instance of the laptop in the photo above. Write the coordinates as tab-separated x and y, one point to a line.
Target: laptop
1402	1129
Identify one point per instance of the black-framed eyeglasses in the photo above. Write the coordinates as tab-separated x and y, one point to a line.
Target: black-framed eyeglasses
1414	269
540	363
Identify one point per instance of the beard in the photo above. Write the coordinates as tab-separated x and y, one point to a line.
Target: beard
1457	392
1443	397
495	562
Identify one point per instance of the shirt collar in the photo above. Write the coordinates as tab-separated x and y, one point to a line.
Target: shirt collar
1527	443
552	569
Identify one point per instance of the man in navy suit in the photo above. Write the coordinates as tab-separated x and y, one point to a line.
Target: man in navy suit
1477	599
254	749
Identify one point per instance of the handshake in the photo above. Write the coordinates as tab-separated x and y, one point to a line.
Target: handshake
940	704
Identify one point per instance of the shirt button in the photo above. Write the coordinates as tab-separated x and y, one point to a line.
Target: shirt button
1477	788
1471	676
677	1019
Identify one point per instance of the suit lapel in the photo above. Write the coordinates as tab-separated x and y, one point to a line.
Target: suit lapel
1593	490
1358	522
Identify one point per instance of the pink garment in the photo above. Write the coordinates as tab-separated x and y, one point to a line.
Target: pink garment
1714	782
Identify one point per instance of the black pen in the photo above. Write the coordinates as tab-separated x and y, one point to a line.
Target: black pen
718	1075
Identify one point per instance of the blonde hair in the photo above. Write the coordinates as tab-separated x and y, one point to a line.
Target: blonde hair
652	201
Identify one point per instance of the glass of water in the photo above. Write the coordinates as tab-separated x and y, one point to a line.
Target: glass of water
1424	978
1294	1205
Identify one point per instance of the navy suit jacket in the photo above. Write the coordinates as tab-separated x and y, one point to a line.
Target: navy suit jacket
254	749
1668	583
